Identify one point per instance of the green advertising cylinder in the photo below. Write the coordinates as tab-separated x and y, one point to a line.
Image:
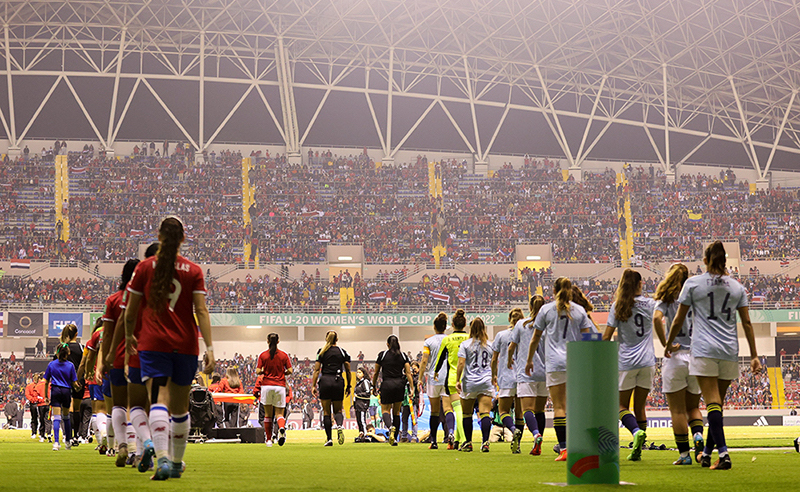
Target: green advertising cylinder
592	413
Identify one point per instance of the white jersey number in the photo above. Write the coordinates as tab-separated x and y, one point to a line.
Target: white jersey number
174	295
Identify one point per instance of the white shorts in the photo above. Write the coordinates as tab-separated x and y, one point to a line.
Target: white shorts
273	396
637	378
556	378
675	374
478	390
532	390
718	368
507	392
436	391
473	395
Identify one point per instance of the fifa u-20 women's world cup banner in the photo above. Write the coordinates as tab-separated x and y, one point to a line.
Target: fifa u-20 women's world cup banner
357	319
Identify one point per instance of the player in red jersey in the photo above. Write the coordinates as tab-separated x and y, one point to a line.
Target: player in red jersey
87	371
138	401
273	367
112	323
170	291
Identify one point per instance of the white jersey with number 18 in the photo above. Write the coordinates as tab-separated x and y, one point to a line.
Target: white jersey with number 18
477	374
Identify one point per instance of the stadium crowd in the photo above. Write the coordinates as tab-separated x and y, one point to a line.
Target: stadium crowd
116	202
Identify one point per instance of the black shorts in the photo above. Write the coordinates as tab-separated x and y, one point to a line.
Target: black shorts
331	387
78	394
360	405
60	397
393	391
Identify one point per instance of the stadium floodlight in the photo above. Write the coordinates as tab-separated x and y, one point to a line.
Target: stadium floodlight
345	258
790	334
348	327
253	327
533	258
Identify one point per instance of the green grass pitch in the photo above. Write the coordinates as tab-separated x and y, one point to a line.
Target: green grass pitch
304	464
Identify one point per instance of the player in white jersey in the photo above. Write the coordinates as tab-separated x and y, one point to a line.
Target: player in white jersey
681	389
504	378
531	390
559	322
435	383
474	382
631	314
714	299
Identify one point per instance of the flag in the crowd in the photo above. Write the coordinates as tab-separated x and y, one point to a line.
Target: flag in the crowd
435	278
592	294
23	264
78	170
784	263
1	323
438	296
312	214
503	253
759	299
137	232
377	296
463	298
694	217
455	282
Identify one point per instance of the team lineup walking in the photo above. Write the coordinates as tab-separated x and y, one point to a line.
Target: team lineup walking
143	356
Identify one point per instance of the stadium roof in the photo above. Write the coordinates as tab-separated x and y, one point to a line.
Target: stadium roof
580	79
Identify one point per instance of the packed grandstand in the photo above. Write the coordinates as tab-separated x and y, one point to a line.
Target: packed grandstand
116	204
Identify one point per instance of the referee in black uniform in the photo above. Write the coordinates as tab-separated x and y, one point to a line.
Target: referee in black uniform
331	362
396	368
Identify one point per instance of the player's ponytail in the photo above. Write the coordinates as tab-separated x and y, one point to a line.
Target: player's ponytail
459	320
127	273
330	340
514	316
440	323
563	291
272	340
535	304
669	289
581	300
626	292
715	258
477	330
394	345
170	233
69	332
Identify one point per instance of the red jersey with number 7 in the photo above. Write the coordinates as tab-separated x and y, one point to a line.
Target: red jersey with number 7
173	329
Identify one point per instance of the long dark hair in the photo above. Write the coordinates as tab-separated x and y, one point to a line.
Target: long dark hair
626	293
171	235
715	258
127	273
394	345
272	340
